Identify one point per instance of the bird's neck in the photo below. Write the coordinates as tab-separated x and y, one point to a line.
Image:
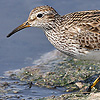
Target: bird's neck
53	27
52	31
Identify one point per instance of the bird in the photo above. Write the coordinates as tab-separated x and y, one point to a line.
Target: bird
75	34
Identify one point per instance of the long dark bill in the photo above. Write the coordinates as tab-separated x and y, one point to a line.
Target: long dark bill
24	25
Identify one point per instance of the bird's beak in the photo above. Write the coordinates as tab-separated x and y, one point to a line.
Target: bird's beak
24	25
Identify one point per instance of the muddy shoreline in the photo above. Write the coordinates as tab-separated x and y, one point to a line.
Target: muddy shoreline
57	71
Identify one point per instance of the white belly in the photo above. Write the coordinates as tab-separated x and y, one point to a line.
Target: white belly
93	55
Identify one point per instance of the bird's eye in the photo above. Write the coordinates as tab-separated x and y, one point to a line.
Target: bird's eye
39	15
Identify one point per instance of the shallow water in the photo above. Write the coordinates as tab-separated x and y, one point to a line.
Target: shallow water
27	45
17	89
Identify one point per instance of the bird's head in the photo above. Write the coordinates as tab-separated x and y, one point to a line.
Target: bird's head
39	17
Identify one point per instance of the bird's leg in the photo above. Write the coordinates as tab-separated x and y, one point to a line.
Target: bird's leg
93	84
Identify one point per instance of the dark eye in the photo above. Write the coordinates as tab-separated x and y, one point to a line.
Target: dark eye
39	15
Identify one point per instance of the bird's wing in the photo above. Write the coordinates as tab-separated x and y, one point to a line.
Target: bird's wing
87	26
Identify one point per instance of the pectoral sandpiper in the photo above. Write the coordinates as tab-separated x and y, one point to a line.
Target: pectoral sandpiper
75	34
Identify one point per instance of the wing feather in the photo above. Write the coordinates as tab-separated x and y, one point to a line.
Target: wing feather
86	24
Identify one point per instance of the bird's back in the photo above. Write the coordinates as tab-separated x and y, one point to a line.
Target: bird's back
86	26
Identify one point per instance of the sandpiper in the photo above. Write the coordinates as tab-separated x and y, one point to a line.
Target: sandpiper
75	34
